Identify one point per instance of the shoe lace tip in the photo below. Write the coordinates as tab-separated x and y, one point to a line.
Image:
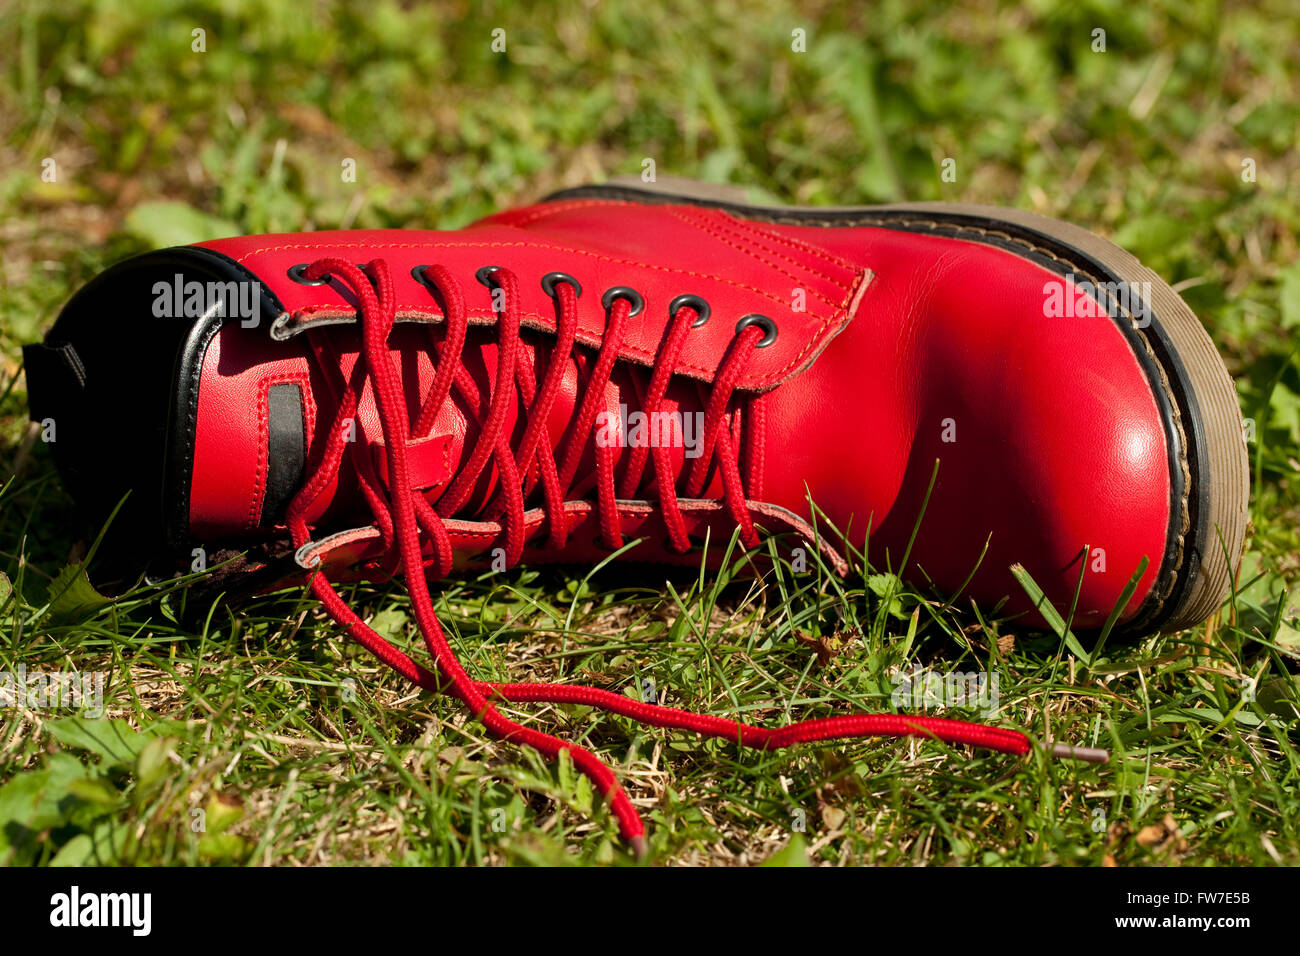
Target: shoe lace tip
1071	752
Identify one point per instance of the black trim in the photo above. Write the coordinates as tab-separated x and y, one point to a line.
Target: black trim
56	379
1175	577
122	380
286	449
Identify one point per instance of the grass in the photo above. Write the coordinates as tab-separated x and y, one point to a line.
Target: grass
261	735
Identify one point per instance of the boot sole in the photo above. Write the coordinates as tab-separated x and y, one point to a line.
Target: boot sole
1209	470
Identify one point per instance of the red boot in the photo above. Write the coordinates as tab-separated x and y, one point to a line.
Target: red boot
634	363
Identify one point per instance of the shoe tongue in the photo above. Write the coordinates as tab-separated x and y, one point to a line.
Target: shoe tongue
435	458
620	422
458	421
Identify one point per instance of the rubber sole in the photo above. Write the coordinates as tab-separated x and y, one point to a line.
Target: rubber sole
1208	462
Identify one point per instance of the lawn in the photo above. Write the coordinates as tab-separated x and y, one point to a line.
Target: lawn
255	732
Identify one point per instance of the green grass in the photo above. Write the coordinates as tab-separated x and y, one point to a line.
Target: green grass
294	747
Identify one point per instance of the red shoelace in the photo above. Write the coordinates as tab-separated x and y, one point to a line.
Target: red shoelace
402	514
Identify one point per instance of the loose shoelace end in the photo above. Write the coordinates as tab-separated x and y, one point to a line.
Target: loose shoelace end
1070	752
639	847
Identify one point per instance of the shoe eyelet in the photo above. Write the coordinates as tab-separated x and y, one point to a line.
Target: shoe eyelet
692	301
298	274
764	323
418	274
552	279
623	292
485	274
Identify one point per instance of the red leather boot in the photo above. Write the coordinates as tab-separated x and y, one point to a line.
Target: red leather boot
625	364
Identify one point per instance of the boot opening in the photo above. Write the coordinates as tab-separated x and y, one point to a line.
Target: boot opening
106	387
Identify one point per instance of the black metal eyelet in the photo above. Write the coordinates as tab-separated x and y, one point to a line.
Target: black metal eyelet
623	292
694	302
485	274
763	322
552	279
418	274
298	274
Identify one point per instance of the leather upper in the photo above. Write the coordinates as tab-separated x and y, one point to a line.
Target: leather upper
893	348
